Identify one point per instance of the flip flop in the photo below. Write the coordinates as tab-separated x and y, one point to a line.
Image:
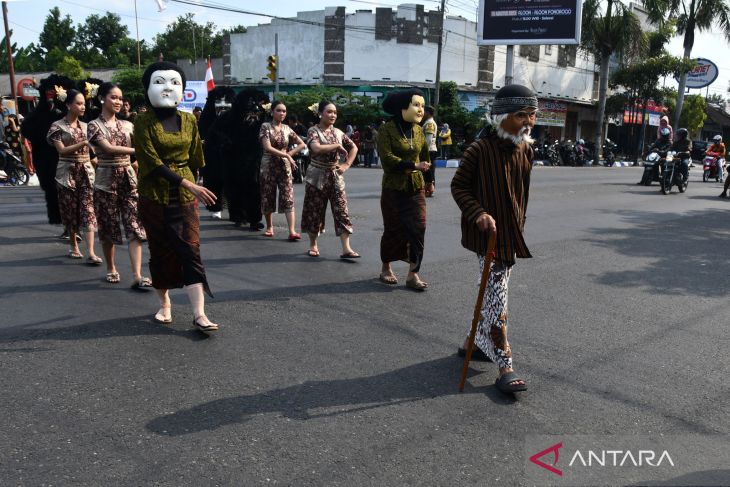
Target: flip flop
269	233
504	383
75	254
416	285
293	237
350	255
144	284
313	253
160	317
93	260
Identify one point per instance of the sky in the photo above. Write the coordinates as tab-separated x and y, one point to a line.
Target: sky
26	19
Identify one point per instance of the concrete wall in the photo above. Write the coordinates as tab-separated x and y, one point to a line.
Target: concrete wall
301	48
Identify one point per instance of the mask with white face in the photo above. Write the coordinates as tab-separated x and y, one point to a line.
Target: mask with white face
166	89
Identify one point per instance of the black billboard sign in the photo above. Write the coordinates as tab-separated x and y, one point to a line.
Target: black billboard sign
505	22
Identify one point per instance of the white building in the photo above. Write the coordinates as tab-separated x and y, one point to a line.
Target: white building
399	46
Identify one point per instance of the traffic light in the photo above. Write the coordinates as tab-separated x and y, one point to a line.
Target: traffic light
272	67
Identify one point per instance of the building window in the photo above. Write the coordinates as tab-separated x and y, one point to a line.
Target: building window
530	52
566	56
548	50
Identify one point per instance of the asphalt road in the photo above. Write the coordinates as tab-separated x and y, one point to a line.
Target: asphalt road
321	375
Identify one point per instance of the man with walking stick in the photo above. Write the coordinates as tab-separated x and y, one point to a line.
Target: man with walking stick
491	188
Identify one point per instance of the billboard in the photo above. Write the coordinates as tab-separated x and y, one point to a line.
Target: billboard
634	114
704	74
195	94
551	113
515	22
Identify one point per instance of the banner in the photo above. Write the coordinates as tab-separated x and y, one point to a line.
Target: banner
635	114
515	22
551	113
195	94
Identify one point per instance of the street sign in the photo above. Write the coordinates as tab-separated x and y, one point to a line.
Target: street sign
704	74
516	22
27	90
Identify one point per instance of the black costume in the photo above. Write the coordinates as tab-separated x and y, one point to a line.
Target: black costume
218	102
234	140
35	128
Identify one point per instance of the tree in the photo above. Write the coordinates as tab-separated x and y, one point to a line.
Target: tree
130	82
57	33
689	15
716	98
617	31
186	39
71	67
29	59
97	39
693	114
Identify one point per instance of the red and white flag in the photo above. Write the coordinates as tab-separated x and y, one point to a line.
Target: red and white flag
209	76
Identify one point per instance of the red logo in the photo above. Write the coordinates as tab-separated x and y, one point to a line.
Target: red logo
553	449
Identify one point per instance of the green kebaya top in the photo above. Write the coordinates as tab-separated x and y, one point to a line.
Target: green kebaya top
398	154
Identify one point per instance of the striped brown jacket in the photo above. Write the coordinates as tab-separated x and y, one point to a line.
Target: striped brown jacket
494	177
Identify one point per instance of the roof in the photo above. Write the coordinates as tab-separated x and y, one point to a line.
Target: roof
717	115
102	74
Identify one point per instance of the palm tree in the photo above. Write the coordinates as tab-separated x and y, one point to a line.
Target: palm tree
615	31
690	15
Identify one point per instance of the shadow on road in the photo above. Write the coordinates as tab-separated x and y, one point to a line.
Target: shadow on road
672	246
321	399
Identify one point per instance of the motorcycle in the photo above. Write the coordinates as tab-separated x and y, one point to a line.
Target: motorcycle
711	168
652	168
608	153
14	172
302	160
553	154
567	153
673	174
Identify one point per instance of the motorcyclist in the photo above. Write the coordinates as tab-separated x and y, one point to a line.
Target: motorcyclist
661	145
683	148
580	151
717	149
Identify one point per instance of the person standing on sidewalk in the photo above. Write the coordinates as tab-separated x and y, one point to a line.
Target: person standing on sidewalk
430	130
491	188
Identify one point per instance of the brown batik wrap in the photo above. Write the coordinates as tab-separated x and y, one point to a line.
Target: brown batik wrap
491	337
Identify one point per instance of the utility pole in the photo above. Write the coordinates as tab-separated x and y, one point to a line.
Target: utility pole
136	22
509	65
11	68
438	61
276	54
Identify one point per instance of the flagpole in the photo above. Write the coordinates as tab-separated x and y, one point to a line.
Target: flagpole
136	22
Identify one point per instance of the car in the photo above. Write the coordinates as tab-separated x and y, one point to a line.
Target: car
698	149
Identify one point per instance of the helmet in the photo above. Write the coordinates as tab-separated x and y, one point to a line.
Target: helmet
717	139
682	134
665	132
581	142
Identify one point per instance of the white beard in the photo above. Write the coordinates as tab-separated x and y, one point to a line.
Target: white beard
522	136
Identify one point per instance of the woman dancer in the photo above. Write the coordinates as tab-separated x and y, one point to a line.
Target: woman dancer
276	169
404	155
168	149
324	181
115	190
75	174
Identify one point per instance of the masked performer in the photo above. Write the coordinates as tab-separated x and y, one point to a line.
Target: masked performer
218	102
324	181
115	191
45	157
234	137
168	149
404	154
75	174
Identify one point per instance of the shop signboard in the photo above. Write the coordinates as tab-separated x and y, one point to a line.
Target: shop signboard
516	22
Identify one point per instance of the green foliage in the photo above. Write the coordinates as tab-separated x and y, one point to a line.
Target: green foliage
71	67
351	109
177	40
130	82
97	40
716	98
29	59
448	94
58	33
693	114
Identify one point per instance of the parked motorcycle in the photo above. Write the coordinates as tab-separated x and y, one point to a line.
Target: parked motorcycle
567	153
553	153
711	168
673	174
609	147
652	168
13	171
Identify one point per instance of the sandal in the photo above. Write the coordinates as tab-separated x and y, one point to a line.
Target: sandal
350	255
293	237
113	277
269	232
388	278
144	284
505	383
162	317
94	260
205	328
416	284
75	254
313	253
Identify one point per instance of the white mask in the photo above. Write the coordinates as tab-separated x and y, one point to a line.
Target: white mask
166	89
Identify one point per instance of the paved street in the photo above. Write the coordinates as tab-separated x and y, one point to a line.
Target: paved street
321	375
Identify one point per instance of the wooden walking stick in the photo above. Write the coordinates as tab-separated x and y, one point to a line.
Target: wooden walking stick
478	307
